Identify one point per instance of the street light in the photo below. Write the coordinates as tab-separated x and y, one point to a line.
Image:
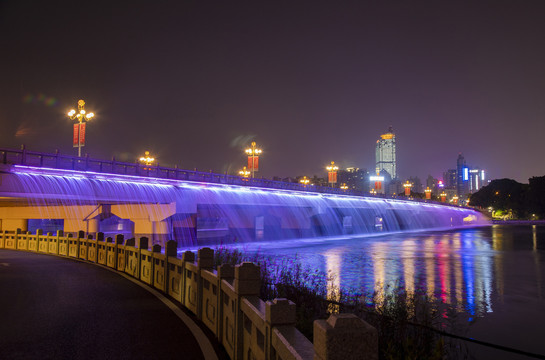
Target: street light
344	186
147	159
244	173
407	187
332	173
428	193
79	128
253	157
305	181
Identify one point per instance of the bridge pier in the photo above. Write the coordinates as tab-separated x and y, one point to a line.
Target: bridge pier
13	224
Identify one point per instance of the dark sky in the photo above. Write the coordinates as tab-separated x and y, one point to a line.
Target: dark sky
310	81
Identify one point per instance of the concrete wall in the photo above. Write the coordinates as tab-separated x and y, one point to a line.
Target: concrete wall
148	219
225	299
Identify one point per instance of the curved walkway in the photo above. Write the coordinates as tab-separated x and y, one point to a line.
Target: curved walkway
56	308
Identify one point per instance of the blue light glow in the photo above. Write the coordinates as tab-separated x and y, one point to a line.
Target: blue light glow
286	213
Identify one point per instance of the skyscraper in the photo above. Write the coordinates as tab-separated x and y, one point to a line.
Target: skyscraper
477	179
385	153
449	179
462	176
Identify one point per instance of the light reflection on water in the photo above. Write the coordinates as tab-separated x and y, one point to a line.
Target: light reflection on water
494	275
463	268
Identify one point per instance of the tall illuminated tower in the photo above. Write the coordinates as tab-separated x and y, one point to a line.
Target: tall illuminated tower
386	153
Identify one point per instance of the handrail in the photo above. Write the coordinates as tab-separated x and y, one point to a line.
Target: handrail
68	162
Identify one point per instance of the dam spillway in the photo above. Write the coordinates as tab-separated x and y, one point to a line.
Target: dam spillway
199	213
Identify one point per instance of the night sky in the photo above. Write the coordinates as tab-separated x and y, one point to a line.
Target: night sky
310	81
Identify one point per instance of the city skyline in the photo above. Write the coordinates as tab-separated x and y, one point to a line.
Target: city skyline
194	84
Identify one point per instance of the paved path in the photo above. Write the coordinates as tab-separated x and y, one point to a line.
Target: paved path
57	308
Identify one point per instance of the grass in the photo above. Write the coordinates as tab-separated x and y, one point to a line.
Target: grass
405	322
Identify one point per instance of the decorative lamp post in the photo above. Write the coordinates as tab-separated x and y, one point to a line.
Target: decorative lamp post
373	192
455	199
253	157
244	172
428	193
344	186
407	186
147	160
79	128
332	173
305	181
443	196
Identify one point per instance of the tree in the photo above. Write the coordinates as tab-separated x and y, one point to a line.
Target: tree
503	194
535	196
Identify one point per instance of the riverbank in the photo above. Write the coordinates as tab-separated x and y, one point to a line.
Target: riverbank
518	222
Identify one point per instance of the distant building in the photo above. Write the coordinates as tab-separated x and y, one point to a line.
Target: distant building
451	193
449	179
464	180
417	185
394	187
379	182
286	179
385	153
433	184
462	176
477	179
318	181
355	178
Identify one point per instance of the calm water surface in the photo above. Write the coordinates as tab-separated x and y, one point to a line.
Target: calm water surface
494	275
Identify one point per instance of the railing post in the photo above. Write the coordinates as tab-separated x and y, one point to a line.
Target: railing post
57	158
205	261
156	248
247	282
277	312
2	239
143	243
344	337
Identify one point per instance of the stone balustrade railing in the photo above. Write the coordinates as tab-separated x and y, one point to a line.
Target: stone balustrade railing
224	299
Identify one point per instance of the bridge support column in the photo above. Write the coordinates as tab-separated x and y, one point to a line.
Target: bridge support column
160	232
14	224
92	226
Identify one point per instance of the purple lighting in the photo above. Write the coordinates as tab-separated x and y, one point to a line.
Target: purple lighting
196	213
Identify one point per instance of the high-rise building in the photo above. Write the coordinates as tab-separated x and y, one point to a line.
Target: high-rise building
385	153
477	179
355	178
462	176
449	179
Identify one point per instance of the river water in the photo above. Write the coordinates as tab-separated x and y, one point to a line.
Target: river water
494	276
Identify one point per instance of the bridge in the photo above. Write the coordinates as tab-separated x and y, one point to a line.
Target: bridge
60	192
